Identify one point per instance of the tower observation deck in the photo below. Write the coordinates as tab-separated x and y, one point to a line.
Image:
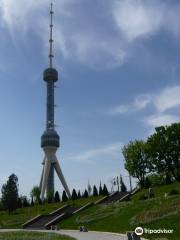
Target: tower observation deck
50	138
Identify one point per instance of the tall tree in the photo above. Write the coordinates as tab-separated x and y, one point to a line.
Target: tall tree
100	189
50	196
74	195
123	186
105	190
95	191
64	197
164	151
25	202
79	194
85	195
35	194
137	160
89	188
10	193
56	197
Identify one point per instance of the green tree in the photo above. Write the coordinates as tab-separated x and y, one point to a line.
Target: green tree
100	189
32	202
35	194
56	197
123	186
137	160
25	202
50	196
10	193
85	195
64	197
89	188
105	190
164	151
74	195
95	191
79	194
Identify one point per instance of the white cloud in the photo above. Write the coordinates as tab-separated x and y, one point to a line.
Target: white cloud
140	102
109	151
161	119
168	98
76	39
137	18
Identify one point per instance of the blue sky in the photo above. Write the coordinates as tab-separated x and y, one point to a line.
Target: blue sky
119	68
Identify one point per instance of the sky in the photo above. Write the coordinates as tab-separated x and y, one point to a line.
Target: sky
119	78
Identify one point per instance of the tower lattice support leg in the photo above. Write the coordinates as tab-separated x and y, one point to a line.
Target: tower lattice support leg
61	177
46	171
40	185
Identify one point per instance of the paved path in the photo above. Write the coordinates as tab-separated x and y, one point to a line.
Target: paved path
93	235
82	235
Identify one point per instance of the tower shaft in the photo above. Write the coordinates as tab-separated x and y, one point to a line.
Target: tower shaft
50	105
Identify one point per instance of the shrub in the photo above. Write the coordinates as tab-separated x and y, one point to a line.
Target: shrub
143	197
173	192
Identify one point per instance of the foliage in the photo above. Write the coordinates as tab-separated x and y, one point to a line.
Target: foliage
64	197
100	189
25	202
10	193
164	151
143	197
35	194
50	196
85	195
173	192
123	186
136	160
74	195
147	183
95	191
79	194
56	197
89	189
105	190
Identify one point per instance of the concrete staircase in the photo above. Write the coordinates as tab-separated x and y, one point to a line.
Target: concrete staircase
115	197
46	221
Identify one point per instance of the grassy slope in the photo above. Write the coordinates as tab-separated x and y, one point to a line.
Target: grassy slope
32	236
22	215
123	217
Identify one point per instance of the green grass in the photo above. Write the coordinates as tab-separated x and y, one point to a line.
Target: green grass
159	212
20	216
32	236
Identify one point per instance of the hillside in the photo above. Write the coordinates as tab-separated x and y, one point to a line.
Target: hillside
22	215
159	212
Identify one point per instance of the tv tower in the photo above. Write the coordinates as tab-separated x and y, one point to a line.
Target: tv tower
50	138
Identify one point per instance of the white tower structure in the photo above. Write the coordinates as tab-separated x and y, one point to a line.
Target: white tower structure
50	138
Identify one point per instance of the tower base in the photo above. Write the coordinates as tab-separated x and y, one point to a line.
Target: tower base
50	160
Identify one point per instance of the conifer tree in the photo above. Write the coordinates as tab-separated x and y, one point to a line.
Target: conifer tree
10	193
123	186
105	191
79	194
85	195
74	195
100	190
56	197
32	202
64	197
95	191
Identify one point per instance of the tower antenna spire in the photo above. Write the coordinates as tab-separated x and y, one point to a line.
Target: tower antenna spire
51	37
